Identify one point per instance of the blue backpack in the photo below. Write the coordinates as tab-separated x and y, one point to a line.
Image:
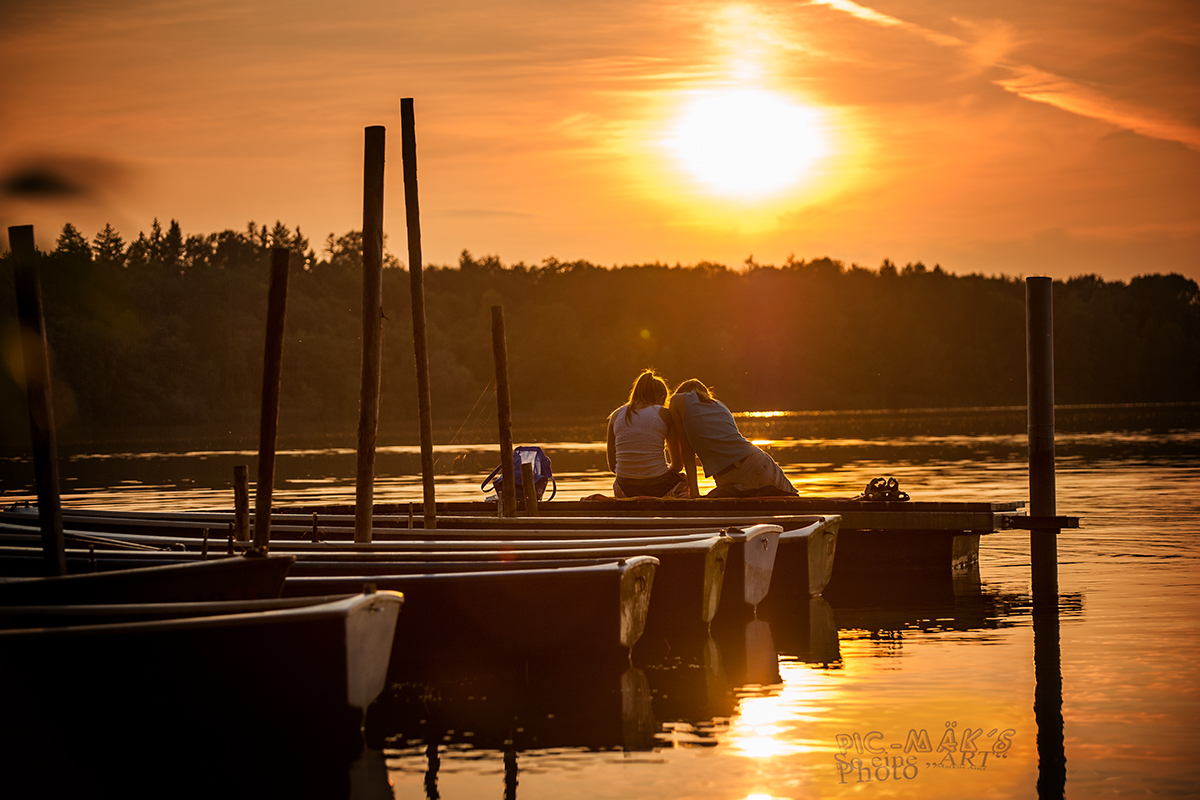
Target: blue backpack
541	473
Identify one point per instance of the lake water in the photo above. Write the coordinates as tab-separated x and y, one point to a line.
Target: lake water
923	693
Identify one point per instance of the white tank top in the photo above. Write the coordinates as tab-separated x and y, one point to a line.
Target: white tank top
640	443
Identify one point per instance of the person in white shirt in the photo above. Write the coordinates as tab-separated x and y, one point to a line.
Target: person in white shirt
642	437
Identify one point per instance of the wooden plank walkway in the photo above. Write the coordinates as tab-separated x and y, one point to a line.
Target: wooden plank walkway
978	517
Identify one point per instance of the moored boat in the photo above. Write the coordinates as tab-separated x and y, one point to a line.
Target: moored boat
578	607
166	679
248	577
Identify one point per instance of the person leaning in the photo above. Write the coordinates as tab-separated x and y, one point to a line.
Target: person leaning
710	433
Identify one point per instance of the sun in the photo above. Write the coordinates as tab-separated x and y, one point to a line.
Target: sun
747	143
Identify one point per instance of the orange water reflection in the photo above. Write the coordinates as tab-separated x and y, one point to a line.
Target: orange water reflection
1129	644
920	728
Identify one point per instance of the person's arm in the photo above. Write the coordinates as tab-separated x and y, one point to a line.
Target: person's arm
671	443
612	446
686	454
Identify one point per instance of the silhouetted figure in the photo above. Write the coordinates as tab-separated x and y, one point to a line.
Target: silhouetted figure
710	433
641	434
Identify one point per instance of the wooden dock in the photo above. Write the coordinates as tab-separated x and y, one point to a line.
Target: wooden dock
927	537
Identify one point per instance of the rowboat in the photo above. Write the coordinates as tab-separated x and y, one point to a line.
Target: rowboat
184	677
566	609
806	572
239	578
566	604
695	567
689	582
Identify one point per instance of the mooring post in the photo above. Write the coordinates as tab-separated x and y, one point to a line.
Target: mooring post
1043	542
272	373
412	211
241	502
507	501
1039	344
37	389
529	489
372	331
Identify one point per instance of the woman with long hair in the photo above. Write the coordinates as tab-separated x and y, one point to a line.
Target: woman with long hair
641	435
709	432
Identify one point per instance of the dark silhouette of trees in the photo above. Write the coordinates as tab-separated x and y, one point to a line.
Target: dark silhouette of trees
166	333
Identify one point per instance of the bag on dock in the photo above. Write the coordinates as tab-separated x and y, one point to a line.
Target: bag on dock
542	473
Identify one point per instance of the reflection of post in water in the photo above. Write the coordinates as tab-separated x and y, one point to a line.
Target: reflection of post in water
510	773
431	771
1047	701
1043	543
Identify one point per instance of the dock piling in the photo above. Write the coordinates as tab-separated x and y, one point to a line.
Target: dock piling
1039	342
529	489
1043	540
408	138
241	503
37	388
372	331
272	374
507	500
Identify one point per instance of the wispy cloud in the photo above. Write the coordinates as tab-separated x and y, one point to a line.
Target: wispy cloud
1089	101
1041	86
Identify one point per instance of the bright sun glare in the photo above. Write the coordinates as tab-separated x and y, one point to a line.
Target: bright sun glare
747	142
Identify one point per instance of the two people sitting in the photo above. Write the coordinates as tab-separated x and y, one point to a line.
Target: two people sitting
657	437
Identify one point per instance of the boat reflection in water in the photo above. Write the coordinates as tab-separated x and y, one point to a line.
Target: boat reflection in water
770	687
474	721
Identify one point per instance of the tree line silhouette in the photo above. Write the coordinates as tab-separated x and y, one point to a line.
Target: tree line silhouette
165	333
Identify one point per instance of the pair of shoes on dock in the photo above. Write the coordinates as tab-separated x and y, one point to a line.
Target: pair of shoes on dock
883	489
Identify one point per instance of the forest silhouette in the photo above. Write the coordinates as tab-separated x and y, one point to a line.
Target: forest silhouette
165	334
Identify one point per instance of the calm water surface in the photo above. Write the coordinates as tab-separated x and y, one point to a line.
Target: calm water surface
924	692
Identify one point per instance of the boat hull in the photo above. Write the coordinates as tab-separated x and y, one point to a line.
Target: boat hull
83	700
554	611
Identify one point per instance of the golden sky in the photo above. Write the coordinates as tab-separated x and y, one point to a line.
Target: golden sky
1018	137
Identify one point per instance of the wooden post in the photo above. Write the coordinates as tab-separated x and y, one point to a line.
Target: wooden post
241	503
529	490
507	501
408	148
37	389
1043	543
1039	344
272	372
372	335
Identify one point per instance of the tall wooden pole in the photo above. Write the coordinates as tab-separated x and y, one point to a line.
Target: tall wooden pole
272	373
372	335
37	388
508	483
1039	344
1043	542
408	148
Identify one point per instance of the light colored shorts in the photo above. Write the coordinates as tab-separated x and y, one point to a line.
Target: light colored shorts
756	471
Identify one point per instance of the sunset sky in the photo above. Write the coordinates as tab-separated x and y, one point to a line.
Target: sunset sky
1019	137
